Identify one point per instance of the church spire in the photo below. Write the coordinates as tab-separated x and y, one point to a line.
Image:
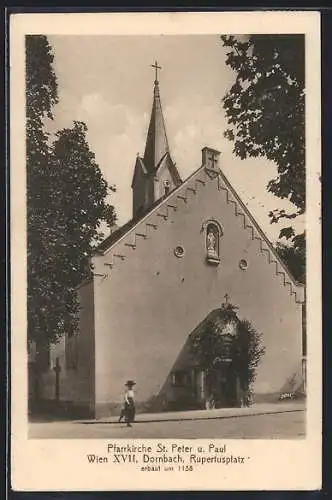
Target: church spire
155	175
156	142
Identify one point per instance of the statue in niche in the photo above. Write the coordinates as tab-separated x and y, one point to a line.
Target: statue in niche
212	242
213	232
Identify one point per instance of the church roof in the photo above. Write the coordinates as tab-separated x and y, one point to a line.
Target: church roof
163	206
139	165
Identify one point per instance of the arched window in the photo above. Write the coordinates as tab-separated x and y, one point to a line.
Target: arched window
167	187
213	232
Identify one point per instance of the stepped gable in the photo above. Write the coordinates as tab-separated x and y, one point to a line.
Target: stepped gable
123	230
138	226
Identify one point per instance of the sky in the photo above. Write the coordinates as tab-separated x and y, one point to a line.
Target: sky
107	82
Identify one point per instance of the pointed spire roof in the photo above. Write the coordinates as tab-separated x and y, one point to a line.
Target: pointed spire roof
156	142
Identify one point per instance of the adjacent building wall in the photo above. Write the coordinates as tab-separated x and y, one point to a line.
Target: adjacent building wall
76	384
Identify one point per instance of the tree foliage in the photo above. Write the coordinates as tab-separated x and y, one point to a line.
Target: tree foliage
248	350
41	96
294	257
66	201
247	347
265	108
79	201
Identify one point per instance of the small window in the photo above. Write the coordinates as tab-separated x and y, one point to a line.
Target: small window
167	187
179	251
243	264
181	378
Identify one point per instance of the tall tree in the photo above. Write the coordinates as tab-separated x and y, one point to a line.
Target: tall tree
66	203
294	257
41	96
79	194
74	207
265	108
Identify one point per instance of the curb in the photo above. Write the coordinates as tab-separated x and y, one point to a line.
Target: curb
183	419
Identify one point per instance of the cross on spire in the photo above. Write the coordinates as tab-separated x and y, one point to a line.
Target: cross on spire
156	67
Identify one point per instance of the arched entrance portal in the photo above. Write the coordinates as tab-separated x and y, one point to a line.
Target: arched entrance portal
197	381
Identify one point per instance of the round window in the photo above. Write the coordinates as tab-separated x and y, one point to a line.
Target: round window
179	251
243	264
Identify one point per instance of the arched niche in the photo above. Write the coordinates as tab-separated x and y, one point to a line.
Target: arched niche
213	232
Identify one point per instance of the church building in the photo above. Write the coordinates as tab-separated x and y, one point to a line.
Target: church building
190	246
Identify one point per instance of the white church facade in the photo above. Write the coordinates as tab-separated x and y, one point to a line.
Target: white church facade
190	244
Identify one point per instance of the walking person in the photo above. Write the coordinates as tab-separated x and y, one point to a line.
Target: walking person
128	411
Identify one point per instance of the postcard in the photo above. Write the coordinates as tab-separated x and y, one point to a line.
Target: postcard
165	233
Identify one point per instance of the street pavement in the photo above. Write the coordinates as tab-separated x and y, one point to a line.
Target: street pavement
256	409
274	421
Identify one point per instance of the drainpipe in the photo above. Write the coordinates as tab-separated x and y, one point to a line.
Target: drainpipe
304	342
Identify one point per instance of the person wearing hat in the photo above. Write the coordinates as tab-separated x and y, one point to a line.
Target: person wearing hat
128	412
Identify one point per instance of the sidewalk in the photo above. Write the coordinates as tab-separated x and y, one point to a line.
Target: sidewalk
256	409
